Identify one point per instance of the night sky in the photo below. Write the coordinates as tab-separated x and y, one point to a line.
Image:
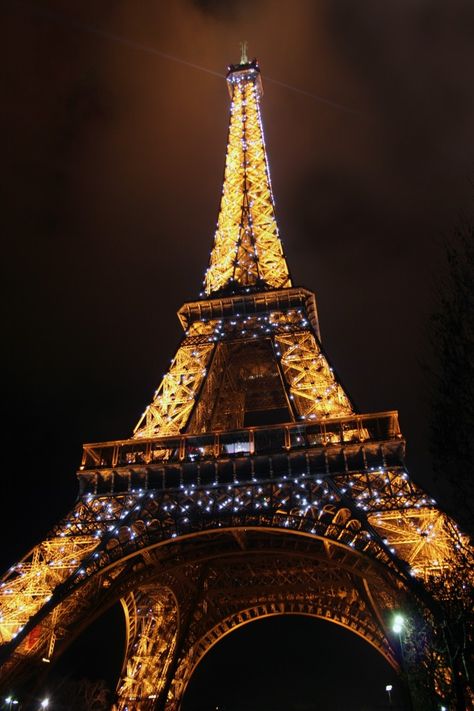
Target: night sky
114	124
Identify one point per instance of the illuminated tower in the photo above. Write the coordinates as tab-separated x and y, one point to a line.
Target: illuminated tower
250	487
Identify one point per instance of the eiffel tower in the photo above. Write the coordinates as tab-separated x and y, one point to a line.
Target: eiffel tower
250	487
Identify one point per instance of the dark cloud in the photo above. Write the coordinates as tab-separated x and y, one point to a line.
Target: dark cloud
222	9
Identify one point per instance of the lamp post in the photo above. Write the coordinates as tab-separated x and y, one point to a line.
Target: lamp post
388	689
398	625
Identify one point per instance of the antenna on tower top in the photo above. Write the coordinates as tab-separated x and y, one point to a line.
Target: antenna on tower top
243	53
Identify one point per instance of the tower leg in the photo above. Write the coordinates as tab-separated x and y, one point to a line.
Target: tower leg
170	696
152	620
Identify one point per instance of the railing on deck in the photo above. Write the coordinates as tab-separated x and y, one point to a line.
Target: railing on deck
249	441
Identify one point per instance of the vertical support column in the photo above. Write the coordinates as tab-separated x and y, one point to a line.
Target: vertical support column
192	606
53	635
152	622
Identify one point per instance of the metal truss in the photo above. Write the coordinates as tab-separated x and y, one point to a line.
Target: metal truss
311	382
30	584
241	589
247	249
423	537
151	617
174	400
206	387
356	513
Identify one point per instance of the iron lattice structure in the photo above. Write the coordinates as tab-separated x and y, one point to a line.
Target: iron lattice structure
249	488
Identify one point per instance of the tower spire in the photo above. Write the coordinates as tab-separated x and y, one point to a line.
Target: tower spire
243	52
247	250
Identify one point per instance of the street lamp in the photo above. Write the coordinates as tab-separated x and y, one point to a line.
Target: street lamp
388	689
398	624
45	703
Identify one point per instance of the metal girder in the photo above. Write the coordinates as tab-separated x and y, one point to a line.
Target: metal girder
422	536
312	384
219	370
349	612
124	524
129	524
238	589
152	620
175	398
29	584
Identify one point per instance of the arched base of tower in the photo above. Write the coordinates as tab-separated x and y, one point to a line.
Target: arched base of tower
195	592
